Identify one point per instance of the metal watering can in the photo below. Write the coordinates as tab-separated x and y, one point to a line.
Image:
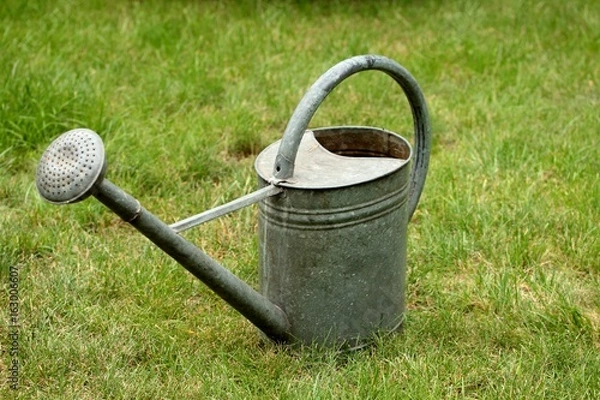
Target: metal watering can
334	205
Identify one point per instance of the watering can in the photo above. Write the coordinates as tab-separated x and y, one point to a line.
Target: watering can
334	206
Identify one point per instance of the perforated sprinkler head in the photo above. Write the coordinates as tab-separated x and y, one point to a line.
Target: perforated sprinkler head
71	167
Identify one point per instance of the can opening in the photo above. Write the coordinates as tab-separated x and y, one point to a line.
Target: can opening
362	142
339	156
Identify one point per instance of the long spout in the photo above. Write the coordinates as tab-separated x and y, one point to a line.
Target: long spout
66	174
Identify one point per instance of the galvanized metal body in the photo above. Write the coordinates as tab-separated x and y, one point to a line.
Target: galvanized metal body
333	258
333	245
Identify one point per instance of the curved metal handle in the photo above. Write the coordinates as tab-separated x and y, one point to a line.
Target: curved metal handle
298	123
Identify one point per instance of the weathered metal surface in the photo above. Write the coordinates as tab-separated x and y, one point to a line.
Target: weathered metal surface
70	167
264	314
225	209
268	317
320	168
334	258
332	229
283	167
333	246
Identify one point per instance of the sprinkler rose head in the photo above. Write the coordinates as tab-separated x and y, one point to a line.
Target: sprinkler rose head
71	167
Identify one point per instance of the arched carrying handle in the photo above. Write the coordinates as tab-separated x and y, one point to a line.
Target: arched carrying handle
298	123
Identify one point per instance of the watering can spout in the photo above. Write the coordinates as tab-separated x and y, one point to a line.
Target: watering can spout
73	168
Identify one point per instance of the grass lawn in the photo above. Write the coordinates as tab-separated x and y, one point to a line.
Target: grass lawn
503	284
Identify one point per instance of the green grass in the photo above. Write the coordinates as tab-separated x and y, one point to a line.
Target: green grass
503	286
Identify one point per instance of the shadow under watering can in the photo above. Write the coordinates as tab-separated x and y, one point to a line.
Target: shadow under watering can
334	206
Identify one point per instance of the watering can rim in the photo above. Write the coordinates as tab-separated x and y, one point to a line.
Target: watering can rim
320	168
